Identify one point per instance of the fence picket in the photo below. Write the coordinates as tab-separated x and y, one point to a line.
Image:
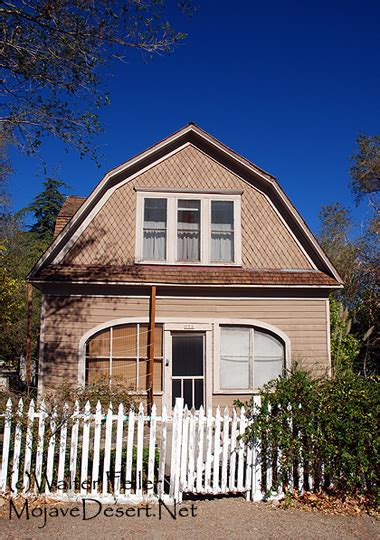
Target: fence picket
176	450
40	445
96	460
62	451
107	452
128	471
152	451
191	457
85	442
199	483
50	455
208	452
17	447
226	440
28	447
119	448
140	448
6	444
184	449
161	466
233	452
268	461
74	447
215	479
256	460
240	475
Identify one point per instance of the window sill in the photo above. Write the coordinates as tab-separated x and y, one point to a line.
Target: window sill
235	391
189	263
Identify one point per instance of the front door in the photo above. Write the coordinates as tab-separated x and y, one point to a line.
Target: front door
188	352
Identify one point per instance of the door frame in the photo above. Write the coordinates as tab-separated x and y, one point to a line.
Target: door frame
204	328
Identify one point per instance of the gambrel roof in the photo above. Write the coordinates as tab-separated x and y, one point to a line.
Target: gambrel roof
51	268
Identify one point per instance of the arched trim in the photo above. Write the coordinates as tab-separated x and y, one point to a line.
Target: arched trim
186	322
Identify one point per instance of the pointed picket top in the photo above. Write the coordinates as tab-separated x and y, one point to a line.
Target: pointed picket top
120	411
226	412
164	414
9	404
20	407
76	408
201	411
234	413
98	408
31	410
154	410
141	409
218	416
242	411
87	407
42	408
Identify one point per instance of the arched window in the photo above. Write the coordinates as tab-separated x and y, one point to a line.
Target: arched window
121	353
249	357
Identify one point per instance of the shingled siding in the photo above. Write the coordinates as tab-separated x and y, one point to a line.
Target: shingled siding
110	236
68	318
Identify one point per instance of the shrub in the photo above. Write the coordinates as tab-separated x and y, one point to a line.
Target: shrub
330	425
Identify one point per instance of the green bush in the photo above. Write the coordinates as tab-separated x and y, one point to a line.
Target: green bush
328	425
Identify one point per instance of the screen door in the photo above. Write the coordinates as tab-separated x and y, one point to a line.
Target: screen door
188	368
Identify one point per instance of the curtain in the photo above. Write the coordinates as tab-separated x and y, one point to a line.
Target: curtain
269	357
222	235
235	358
188	230
155	219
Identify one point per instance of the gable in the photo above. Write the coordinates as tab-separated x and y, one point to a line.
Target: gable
110	236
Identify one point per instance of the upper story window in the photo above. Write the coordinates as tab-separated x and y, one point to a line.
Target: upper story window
188	228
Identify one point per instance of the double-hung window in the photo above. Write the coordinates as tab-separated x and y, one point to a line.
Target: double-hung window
179	228
249	358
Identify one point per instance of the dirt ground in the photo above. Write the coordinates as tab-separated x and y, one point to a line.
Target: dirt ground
210	519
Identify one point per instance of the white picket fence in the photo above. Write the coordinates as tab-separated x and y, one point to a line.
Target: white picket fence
128	455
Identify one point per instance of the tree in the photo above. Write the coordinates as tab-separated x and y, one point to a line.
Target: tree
53	60
365	171
45	207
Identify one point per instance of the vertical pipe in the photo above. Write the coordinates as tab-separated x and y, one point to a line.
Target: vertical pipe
152	317
29	299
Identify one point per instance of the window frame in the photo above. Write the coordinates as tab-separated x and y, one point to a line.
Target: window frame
218	357
205	199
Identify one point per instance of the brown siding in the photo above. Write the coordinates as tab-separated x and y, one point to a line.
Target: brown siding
68	318
110	237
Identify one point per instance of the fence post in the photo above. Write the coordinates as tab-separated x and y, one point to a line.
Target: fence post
6	443
256	458
240	474
176	450
28	447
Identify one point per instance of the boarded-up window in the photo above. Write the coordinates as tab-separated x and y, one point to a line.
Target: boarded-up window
120	353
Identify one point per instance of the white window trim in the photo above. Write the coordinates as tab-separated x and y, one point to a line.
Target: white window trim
211	326
171	227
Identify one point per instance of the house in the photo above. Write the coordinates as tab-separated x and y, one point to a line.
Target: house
190	253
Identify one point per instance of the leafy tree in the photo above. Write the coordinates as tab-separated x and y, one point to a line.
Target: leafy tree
45	208
365	171
344	346
54	56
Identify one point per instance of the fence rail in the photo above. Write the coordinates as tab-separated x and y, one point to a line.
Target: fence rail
131	456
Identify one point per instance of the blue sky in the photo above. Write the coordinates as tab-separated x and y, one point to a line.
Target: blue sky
287	84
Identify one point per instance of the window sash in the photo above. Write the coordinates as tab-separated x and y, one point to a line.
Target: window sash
155	228
247	367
